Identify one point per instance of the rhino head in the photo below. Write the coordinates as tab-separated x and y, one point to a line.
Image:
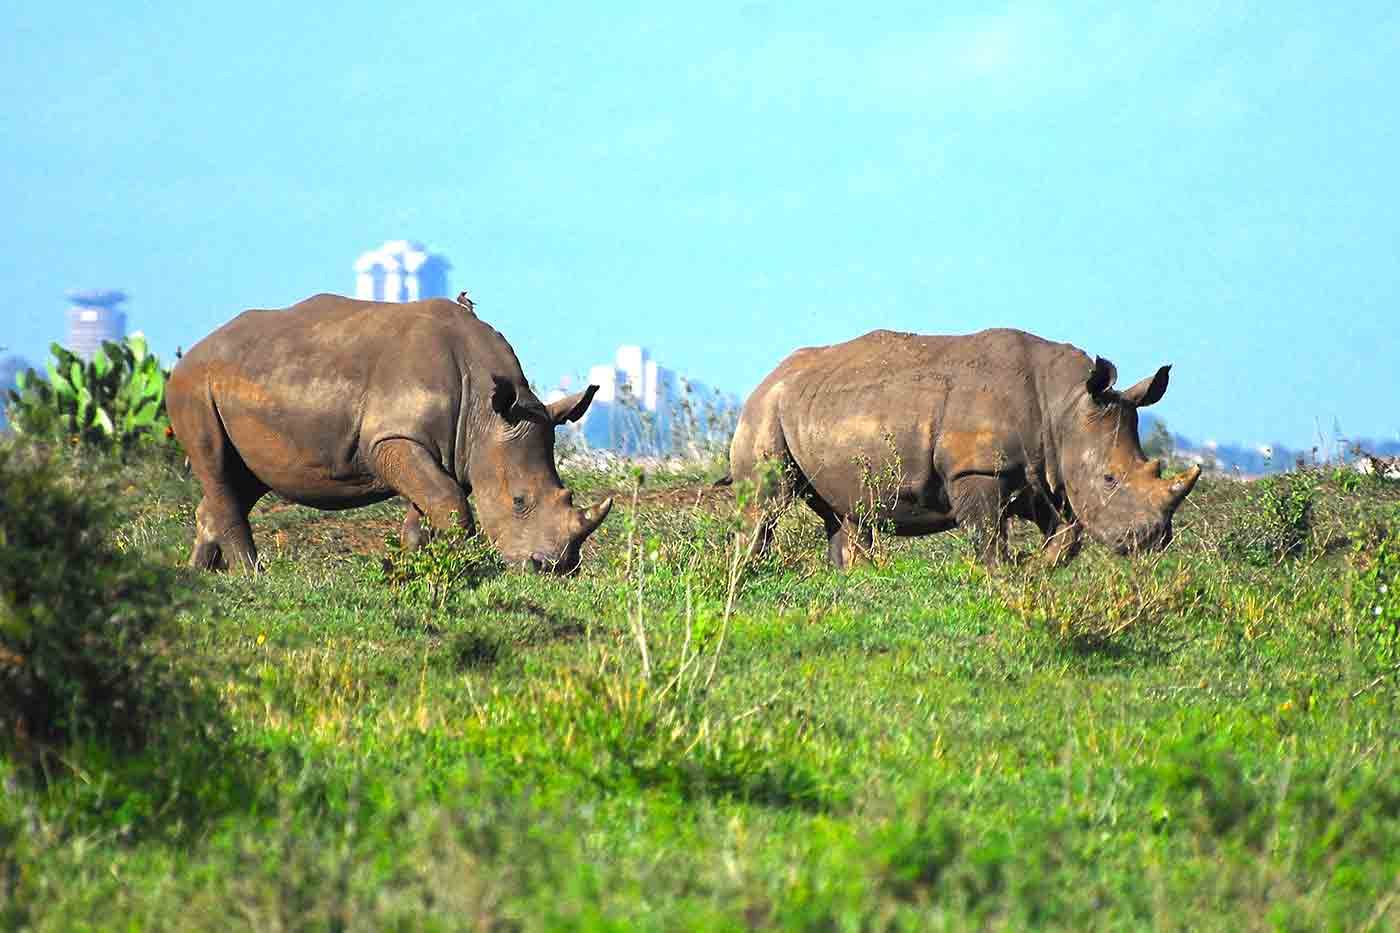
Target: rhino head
523	507
1119	495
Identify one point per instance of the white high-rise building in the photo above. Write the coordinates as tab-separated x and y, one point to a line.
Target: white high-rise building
640	405
94	318
401	270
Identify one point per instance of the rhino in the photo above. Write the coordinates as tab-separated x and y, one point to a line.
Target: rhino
337	403
919	434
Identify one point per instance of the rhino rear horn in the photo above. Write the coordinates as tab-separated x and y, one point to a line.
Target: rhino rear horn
571	407
1150	390
1103	376
517	403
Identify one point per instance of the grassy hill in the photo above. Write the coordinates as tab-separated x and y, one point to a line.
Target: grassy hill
1204	739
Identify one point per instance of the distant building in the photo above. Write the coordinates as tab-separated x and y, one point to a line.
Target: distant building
94	318
644	408
401	270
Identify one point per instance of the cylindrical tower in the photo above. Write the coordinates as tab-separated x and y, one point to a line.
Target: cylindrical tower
401	270
95	317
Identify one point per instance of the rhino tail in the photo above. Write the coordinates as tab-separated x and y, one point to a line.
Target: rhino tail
725	480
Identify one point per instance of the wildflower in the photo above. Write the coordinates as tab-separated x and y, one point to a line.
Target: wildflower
261	638
1285	706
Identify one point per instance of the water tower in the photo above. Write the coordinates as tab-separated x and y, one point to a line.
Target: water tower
401	270
94	318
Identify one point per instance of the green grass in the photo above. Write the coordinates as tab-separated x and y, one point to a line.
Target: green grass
1190	741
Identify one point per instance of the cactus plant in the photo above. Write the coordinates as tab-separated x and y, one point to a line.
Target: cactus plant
114	400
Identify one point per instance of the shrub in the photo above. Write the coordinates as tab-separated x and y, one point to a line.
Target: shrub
476	647
1375	593
702	429
1091	605
79	618
1276	525
115	400
449	559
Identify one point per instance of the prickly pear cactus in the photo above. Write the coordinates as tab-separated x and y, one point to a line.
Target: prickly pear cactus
115	400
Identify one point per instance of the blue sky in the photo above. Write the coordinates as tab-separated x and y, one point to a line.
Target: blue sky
1212	185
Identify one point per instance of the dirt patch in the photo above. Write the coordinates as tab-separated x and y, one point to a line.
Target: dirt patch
705	496
283	528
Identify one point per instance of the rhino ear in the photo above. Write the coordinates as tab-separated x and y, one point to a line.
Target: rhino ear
571	407
1150	390
1103	376
516	403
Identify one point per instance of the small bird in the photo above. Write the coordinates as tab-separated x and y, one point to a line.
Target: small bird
465	301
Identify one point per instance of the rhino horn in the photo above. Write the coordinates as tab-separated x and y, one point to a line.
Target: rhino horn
571	407
1150	390
1179	487
593	516
1151	469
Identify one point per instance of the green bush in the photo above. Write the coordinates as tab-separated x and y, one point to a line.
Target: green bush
1375	593
448	560
476	647
78	618
1277	523
115	400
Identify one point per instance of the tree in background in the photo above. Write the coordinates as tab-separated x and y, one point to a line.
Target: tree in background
1159	443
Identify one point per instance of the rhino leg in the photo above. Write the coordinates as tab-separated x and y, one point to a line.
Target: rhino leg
1062	542
411	471
205	554
223	537
980	505
411	535
1064	535
761	516
848	542
758	454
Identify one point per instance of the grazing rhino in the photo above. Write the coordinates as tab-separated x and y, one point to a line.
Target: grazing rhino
922	434
336	403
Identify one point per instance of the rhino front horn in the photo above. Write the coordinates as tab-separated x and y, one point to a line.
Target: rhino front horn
1182	485
593	516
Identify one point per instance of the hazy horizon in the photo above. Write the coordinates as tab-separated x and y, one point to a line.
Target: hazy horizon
1200	184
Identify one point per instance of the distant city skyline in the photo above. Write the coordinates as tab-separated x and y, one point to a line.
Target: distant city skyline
639	405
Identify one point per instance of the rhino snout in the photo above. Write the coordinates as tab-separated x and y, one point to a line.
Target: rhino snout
562	564
1155	537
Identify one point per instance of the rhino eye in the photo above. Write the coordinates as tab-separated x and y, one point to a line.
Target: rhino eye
1110	480
519	503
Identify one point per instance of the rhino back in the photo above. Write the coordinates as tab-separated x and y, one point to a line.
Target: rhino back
305	392
930	408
